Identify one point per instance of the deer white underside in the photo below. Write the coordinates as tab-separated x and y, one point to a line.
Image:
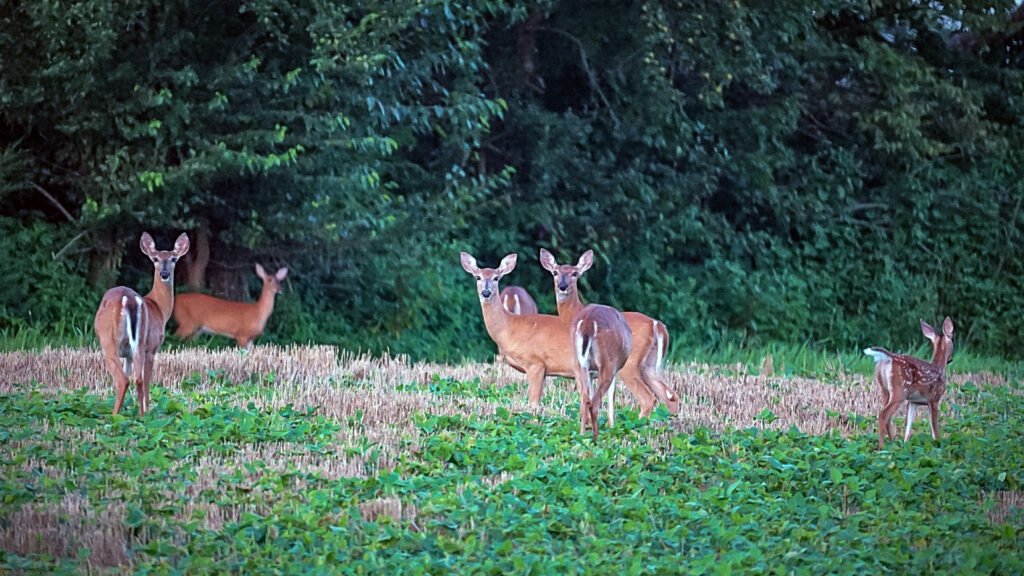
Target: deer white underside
205	330
659	342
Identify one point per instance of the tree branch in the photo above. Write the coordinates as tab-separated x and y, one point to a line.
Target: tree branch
53	201
594	84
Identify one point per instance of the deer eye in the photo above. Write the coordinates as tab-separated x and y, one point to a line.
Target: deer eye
174	259
477	277
155	260
553	273
575	274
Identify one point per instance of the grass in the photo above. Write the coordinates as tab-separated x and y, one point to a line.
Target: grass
304	460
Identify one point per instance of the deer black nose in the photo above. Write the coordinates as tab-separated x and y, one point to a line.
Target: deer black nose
486	293
563	286
164	274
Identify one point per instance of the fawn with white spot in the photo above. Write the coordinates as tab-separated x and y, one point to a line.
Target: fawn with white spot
903	377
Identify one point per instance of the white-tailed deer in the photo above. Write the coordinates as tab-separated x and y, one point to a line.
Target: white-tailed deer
601	343
243	321
903	377
536	344
642	372
517	300
130	327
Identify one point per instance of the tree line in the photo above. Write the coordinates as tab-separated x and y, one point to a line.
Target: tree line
824	172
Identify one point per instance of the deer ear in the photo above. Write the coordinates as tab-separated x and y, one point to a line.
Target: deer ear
469	264
586	261
947	328
547	261
508	264
147	245
280	274
928	331
261	272
181	245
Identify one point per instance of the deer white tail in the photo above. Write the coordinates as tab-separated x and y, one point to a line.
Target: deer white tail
584	349
130	324
878	354
516	307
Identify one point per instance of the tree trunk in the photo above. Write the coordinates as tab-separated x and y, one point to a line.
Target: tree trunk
105	261
526	50
197	260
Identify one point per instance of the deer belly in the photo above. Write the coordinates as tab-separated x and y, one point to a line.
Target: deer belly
207	330
916	397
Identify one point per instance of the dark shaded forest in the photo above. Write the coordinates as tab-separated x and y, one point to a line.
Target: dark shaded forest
816	172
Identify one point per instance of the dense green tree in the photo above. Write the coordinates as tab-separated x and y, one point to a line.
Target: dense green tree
823	172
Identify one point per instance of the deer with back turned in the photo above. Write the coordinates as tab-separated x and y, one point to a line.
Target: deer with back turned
130	327
921	383
601	342
517	300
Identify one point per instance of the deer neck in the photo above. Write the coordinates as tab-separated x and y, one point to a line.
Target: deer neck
162	296
939	357
569	306
496	319
265	305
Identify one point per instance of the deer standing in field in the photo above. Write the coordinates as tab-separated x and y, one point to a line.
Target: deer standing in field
641	374
602	342
130	327
535	344
903	377
517	300
243	321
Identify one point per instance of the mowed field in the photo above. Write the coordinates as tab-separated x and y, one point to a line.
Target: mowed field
305	460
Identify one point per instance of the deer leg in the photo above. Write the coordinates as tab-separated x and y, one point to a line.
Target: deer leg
882	384
611	404
140	393
933	415
147	377
634	381
885	420
910	421
649	371
583	387
116	370
185	331
535	375
664	393
595	410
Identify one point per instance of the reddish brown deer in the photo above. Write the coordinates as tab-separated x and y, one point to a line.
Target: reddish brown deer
602	342
642	372
130	327
243	321
536	344
903	377
517	300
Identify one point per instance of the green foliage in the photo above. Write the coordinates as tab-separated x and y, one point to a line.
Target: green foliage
749	173
39	290
516	492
